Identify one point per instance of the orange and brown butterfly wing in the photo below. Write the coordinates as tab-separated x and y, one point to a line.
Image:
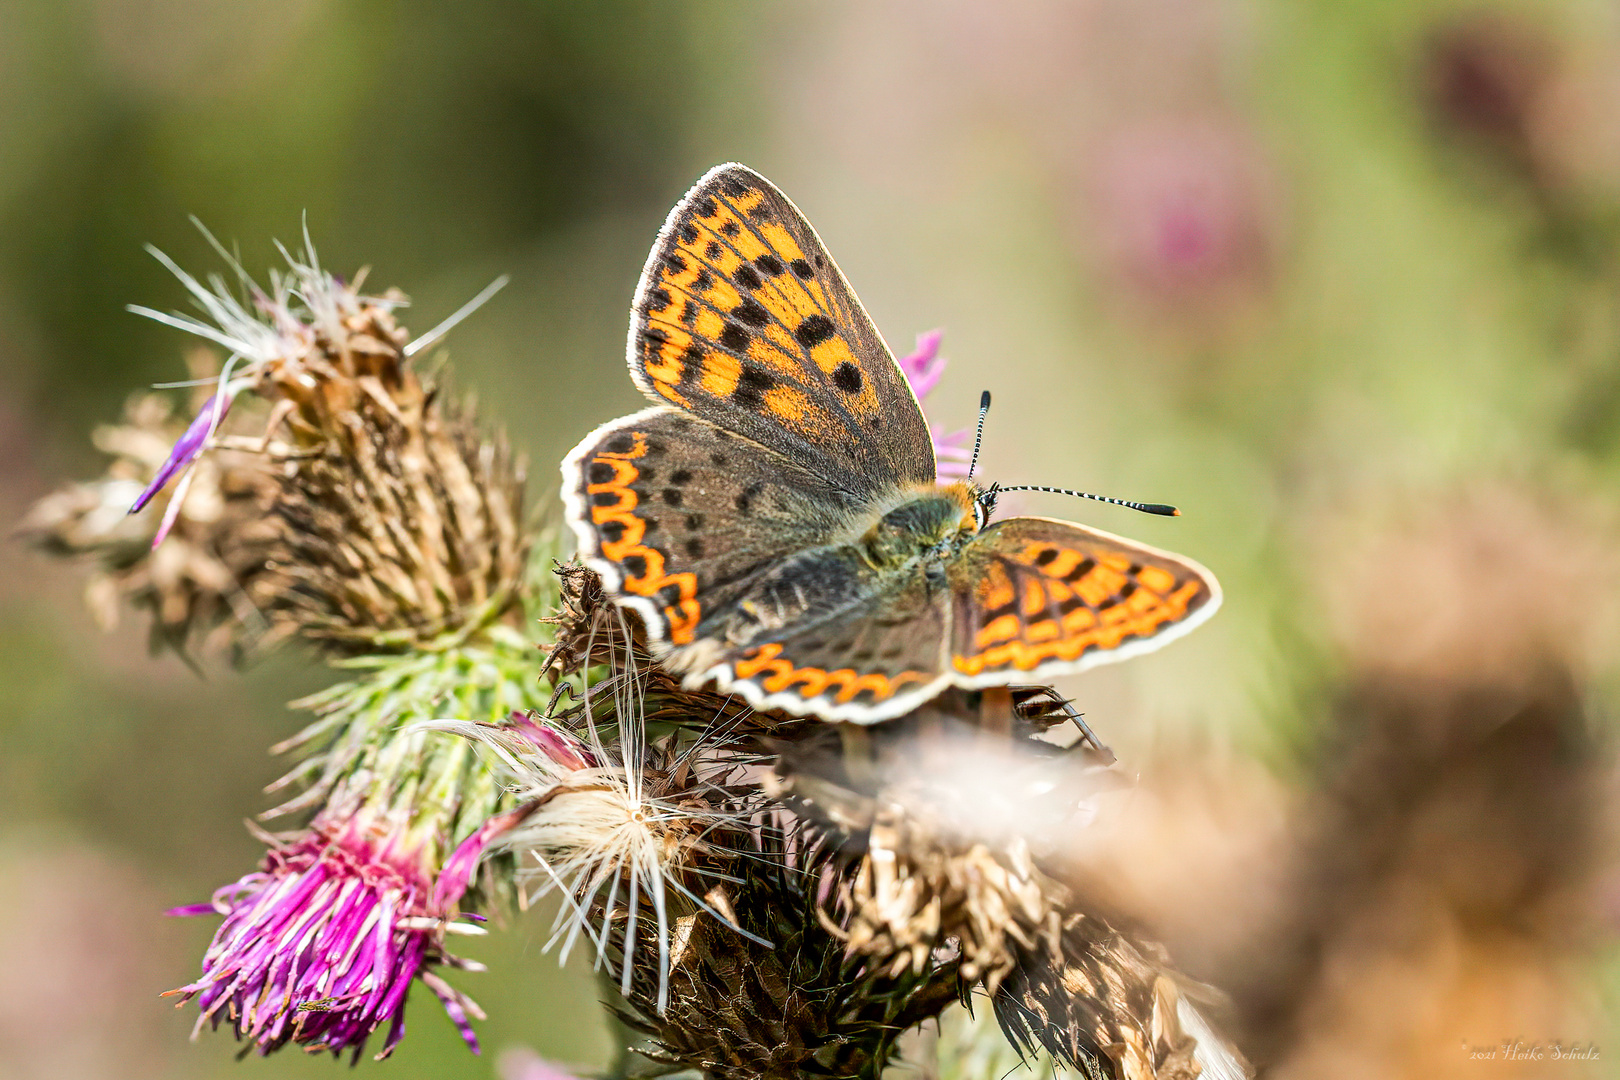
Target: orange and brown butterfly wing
853	645
1036	597
679	517
742	318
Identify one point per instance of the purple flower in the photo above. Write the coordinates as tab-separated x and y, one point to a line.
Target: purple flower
563	749
186	449
922	369
319	947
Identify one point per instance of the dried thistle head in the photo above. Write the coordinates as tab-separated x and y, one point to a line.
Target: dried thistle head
746	980
1109	1004
938	819
198	586
785	1000
946	825
384	518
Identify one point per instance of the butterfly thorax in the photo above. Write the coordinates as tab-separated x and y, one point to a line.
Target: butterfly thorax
931	524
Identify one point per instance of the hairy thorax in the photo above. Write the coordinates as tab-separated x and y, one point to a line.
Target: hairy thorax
929	524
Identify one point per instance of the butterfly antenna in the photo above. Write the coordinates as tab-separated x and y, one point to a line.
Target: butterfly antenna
1146	508
978	433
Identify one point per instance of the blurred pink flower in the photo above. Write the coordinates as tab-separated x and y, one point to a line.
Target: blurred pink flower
922	368
1181	207
524	1064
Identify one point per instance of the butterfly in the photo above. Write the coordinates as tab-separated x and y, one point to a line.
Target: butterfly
775	519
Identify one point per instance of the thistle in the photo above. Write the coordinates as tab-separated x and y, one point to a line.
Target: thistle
377	523
197	588
320	945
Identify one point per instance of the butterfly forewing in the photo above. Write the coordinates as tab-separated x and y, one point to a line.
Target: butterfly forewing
1034	596
743	318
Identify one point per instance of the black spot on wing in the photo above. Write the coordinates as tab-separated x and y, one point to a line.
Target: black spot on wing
814	330
769	264
1081	569
751	312
692	358
847	377
734	338
751	386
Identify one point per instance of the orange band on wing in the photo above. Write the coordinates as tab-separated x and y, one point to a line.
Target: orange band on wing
627	548
766	666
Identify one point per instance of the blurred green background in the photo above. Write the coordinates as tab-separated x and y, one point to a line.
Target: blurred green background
1285	264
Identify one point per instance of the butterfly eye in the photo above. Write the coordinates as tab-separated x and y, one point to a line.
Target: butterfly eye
984	505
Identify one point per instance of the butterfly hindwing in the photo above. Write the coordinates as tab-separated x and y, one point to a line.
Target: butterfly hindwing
1034	596
857	650
743	318
678	516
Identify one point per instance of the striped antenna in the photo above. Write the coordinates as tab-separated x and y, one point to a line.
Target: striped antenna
978	434
1146	508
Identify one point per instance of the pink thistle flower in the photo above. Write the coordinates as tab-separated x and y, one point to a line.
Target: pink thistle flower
319	946
922	368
